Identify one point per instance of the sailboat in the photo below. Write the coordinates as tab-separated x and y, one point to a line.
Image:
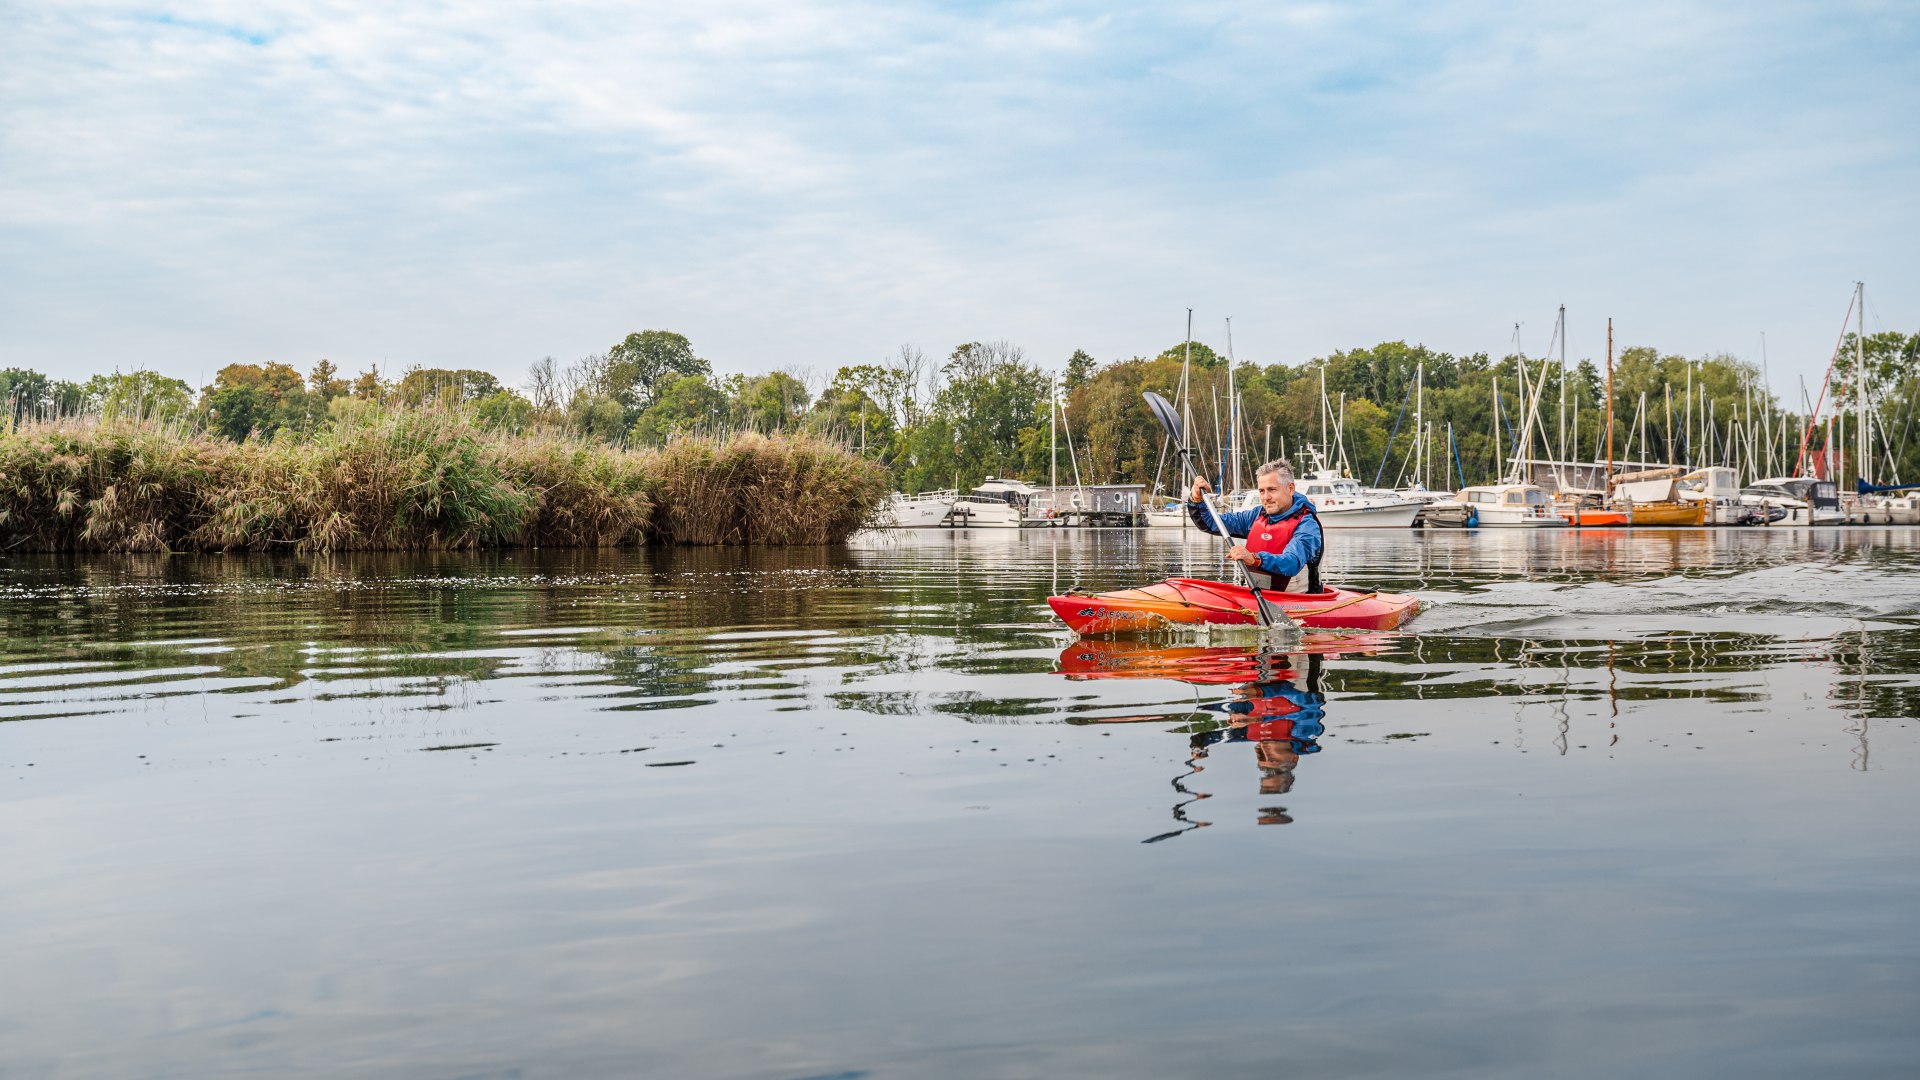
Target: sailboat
1515	502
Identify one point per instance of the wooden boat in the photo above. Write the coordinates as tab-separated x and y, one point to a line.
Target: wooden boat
1666	513
1192	602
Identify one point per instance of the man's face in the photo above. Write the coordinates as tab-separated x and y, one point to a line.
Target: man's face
1276	494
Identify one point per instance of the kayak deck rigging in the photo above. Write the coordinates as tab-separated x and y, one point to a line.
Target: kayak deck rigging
1178	602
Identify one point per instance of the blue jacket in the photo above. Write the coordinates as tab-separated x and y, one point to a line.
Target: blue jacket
1303	548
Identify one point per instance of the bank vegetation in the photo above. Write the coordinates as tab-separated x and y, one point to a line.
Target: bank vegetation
385	479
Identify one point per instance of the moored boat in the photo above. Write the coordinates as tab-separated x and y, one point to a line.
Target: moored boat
1179	602
1665	513
1525	506
1593	517
923	511
1340	503
998	503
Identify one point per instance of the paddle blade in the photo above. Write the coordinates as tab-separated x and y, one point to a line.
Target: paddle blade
1271	614
1169	419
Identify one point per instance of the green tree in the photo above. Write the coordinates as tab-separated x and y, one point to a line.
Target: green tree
1079	369
25	394
445	387
369	386
140	395
1202	353
773	402
636	368
249	399
684	403
848	414
991	396
503	410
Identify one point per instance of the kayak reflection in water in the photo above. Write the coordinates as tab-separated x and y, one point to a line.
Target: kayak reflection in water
1283	722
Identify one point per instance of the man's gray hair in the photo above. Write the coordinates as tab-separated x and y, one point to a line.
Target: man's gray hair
1278	466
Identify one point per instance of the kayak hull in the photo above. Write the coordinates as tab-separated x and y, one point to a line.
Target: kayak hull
1179	602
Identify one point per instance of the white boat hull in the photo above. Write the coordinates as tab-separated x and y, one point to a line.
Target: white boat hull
1497	517
984	514
1385	516
919	513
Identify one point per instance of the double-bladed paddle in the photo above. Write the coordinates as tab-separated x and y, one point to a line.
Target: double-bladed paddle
1270	613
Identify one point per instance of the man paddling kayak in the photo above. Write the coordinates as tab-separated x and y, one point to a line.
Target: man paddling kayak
1283	534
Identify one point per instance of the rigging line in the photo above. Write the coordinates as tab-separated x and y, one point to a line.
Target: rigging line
1799	467
1382	470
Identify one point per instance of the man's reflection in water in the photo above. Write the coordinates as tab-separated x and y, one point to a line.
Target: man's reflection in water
1275	703
1281	719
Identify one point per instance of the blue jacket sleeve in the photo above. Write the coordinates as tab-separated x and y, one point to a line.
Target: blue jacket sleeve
1301	550
1237	521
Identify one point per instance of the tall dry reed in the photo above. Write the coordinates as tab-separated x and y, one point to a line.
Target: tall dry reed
758	489
415	480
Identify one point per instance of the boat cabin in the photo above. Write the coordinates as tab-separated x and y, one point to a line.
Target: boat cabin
1819	494
1014	493
1717	484
1516	496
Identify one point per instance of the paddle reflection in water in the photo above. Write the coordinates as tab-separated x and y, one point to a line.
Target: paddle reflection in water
1273	701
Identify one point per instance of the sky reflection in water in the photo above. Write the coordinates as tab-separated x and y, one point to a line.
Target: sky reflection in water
1618	801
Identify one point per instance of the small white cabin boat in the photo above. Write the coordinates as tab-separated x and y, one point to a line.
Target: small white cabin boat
996	504
1524	506
926	510
1807	501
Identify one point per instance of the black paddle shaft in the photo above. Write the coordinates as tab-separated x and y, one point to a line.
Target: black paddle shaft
1163	411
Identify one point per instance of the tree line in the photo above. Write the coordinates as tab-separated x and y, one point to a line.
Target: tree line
986	408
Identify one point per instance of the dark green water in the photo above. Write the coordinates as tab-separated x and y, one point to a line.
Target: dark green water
1618	803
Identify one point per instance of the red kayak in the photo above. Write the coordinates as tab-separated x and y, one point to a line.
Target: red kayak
1192	601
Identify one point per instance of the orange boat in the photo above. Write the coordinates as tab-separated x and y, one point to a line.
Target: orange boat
1192	602
1588	517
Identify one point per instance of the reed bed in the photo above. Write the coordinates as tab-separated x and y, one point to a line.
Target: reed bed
761	489
415	480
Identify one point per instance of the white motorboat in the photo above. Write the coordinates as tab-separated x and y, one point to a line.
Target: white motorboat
1172	515
927	510
1807	501
1526	506
1891	509
1719	487
996	504
1340	504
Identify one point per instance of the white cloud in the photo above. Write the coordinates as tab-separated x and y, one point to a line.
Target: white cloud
482	184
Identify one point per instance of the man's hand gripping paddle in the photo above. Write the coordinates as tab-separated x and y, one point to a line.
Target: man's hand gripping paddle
1271	614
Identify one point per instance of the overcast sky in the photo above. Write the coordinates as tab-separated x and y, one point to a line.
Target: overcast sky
808	183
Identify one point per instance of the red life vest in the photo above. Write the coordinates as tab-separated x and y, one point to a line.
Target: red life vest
1270	537
1270	730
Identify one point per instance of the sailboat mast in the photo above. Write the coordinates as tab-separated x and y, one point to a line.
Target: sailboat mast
1186	385
1499	466
1861	462
1053	445
1561	427
1609	473
1233	407
1324	445
1419	425
1671	459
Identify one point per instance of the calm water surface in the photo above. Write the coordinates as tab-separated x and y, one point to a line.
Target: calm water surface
1639	803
